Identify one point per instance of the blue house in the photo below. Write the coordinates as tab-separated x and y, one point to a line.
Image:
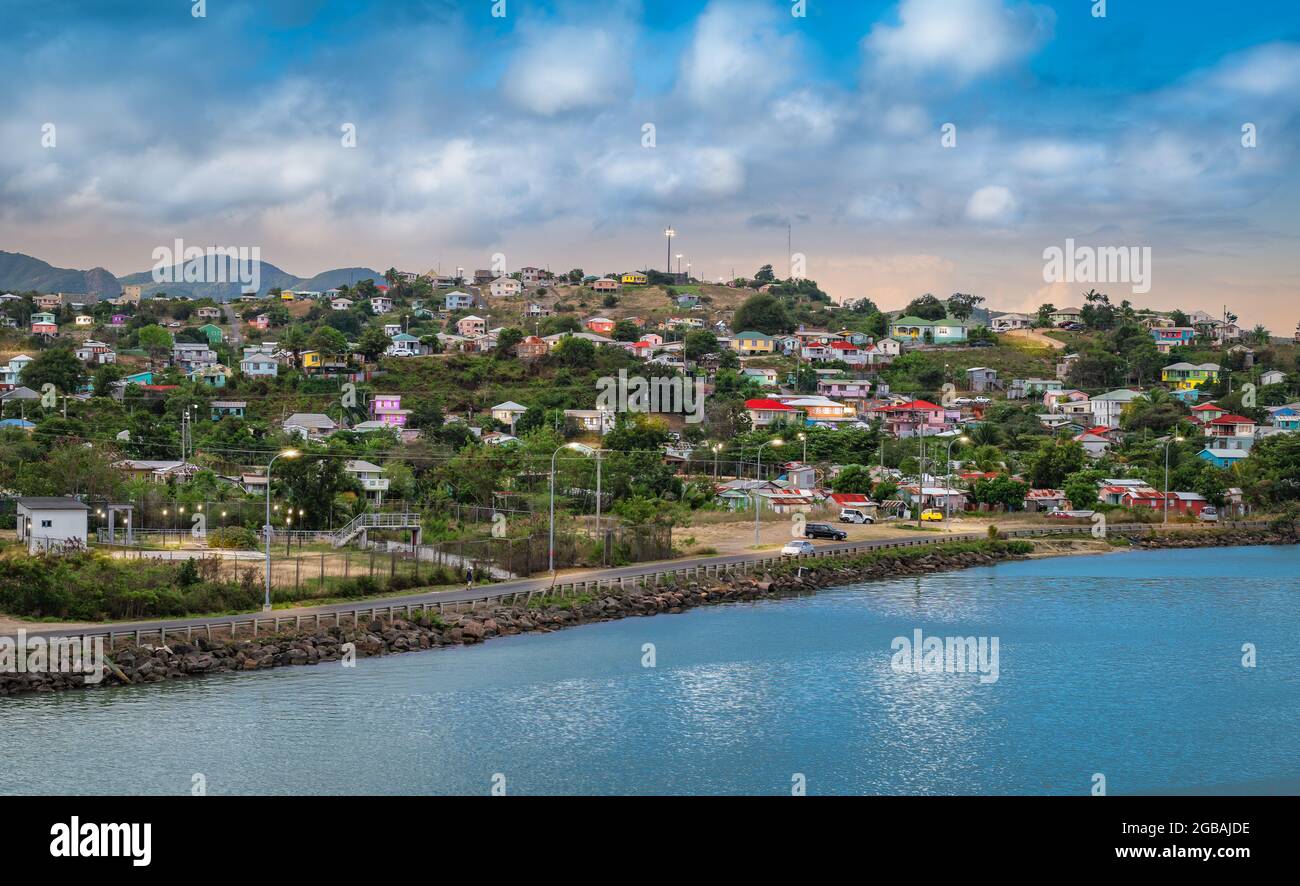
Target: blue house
1287	419
1223	458
458	301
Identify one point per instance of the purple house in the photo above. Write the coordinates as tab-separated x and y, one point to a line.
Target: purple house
118	320
387	408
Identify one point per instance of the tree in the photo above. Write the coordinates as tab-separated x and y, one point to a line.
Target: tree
626	330
328	340
1045	312
1053	462
962	306
57	366
1000	490
372	343
1081	491
698	343
574	352
763	313
507	340
854	480
927	307
764	275
154	339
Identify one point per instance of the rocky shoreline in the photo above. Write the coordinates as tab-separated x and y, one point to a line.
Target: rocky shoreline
134	665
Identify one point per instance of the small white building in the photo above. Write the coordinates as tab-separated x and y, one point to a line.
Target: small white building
52	523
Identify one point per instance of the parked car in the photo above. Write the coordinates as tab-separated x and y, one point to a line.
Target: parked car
853	515
981	344
824	530
1209	514
931	515
797	548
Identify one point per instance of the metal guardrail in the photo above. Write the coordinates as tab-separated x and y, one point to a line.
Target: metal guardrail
375	520
653	578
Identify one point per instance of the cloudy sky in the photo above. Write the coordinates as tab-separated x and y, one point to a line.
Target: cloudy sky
525	134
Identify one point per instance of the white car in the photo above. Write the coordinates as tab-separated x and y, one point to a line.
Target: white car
797	547
853	515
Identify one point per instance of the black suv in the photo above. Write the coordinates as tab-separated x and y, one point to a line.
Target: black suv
824	530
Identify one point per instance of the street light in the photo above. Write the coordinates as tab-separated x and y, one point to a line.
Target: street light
553	455
1168	440
804	438
670	234
777	442
717	447
947	493
288	453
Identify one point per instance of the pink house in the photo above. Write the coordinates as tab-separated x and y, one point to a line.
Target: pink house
387	408
917	418
261	321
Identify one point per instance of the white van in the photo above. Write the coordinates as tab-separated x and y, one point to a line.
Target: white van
854	515
1209	514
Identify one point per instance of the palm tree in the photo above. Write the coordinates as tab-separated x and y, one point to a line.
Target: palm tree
1261	335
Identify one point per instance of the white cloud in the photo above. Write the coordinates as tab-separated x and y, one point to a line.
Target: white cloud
737	56
566	69
961	38
992	203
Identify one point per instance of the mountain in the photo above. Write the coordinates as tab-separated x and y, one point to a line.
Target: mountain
270	277
20	273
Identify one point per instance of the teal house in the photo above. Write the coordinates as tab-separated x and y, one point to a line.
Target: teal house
915	330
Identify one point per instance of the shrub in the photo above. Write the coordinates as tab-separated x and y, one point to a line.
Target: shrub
236	538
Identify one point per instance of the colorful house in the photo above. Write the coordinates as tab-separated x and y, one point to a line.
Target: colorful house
765	412
213	333
387	408
44	323
914	418
1207	412
222	408
1287	419
1185	376
312	361
601	325
939	332
1172	337
753	343
635	279
1223	458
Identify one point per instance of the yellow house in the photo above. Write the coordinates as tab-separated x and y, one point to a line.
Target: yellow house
1186	376
312	359
286	295
635	279
753	343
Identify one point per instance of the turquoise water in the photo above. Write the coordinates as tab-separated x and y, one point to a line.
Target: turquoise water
1129	665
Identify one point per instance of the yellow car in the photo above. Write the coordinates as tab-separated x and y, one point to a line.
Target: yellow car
931	514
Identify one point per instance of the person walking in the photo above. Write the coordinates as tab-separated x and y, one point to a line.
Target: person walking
469	576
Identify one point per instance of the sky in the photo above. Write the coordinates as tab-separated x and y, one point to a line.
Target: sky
906	146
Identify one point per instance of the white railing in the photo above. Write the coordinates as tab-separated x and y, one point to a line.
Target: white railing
375	520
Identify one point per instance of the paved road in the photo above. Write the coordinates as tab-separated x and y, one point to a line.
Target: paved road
236	333
501	588
537	584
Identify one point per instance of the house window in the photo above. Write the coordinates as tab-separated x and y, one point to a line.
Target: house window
47	524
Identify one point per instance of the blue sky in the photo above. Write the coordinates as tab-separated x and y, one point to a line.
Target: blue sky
523	135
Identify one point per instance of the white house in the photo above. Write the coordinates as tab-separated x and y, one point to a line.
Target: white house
340	304
508	413
381	304
1107	408
370	476
309	424
52	523
1007	322
505	286
1272	377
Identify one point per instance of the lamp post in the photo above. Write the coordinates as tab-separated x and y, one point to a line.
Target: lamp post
717	447
804	439
1168	440
947	493
670	234
776	442
288	453
552	541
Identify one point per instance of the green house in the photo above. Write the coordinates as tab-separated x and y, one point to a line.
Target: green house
917	330
212	332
